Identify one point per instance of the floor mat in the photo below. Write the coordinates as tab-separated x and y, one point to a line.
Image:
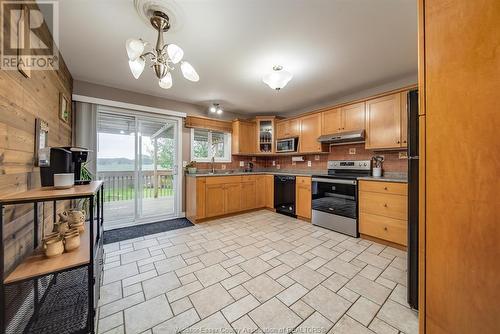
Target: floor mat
137	231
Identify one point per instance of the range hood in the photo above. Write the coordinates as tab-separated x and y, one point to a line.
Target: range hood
348	137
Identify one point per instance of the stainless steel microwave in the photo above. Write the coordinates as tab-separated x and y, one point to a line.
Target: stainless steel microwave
287	145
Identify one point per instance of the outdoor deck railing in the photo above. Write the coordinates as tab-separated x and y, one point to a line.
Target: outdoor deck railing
119	186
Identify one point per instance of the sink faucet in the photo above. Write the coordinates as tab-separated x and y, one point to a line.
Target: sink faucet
213	165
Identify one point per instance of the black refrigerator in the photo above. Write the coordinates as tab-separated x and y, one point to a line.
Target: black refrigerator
413	199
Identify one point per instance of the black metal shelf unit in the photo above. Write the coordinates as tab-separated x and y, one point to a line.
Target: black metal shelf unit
63	300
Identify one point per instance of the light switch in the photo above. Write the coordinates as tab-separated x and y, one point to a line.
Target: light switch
403	155
352	150
274	162
309	163
223	167
278	166
242	163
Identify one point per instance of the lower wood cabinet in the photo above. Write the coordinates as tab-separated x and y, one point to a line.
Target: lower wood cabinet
213	196
303	196
383	211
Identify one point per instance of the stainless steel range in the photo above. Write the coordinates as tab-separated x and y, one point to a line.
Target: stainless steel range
335	196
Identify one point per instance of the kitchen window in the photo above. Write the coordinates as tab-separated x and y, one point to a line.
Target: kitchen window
206	144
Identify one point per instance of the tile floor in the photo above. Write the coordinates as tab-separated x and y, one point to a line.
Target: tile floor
256	272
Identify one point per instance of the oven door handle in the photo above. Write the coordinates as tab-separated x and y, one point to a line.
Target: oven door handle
337	181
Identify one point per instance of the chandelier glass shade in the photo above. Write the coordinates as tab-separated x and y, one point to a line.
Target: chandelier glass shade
162	57
278	78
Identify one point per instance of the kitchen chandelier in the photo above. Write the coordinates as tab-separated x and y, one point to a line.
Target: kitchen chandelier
163	57
278	78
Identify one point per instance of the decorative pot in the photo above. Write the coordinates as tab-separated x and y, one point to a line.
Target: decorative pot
53	246
61	227
71	240
76	216
191	170
377	172
80	227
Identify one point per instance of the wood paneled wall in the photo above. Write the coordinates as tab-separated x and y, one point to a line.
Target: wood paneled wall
459	72
21	101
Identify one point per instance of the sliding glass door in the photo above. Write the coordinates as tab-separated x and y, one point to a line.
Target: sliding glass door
137	157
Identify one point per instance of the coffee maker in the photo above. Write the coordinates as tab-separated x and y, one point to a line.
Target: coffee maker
56	160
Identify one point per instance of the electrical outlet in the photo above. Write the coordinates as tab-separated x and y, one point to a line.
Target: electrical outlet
352	150
242	163
309	163
184	164
294	163
317	157
274	162
223	167
278	166
403	155
254	159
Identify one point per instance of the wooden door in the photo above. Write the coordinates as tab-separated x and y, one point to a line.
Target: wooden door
353	117
331	121
404	119
260	191
214	199
383	122
248	195
310	130
270	191
459	71
232	198
303	196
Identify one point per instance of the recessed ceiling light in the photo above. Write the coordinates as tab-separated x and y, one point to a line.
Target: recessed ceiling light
278	78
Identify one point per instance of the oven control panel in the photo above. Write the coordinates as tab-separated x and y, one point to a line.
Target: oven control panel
350	164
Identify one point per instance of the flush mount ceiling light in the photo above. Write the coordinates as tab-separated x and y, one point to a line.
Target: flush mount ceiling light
163	57
215	108
278	78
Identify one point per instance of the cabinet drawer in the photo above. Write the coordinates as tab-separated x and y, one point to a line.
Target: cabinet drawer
394	230
303	180
248	178
387	205
222	179
384	187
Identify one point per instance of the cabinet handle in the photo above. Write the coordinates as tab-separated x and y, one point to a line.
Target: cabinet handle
385	205
385	228
404	141
385	188
398	142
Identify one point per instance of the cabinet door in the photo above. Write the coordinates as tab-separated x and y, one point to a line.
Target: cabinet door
282	129
353	117
214	196
310	130
270	191
294	127
404	119
331	121
232	200
383	122
260	190
248	195
303	197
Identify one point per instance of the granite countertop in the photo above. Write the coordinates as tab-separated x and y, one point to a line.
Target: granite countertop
258	172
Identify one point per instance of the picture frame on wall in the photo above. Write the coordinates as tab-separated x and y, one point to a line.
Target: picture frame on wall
64	109
41	138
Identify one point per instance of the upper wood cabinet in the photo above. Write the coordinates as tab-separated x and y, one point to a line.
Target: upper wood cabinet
404	119
207	123
383	122
287	128
265	134
303	196
353	117
346	118
310	130
331	121
243	137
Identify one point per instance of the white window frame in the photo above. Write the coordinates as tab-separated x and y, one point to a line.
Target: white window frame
227	147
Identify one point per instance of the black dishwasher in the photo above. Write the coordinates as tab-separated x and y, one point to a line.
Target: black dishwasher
284	194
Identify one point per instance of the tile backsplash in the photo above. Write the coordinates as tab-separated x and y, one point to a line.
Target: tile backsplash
392	163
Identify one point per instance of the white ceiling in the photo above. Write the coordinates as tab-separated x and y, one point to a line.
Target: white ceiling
330	46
